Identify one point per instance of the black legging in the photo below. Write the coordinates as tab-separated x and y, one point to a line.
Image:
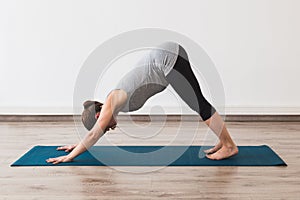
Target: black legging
185	83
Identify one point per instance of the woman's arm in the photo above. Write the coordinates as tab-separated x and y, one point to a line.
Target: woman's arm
111	107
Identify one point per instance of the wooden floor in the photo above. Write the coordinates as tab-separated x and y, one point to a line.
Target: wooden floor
166	183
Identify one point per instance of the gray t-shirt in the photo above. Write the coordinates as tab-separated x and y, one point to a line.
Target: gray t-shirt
149	75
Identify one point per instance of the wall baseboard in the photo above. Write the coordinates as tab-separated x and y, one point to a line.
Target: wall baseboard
168	110
147	118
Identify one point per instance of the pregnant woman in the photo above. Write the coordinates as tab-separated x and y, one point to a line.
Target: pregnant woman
164	65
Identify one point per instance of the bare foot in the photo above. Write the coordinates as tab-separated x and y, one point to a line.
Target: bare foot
214	149
224	152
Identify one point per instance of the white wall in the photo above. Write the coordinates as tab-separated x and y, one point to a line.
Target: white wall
254	44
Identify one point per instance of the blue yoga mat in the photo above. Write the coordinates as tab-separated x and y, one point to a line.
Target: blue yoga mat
151	156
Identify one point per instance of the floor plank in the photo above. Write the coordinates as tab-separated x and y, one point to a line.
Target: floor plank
165	183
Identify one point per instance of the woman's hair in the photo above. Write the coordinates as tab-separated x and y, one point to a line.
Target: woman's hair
88	115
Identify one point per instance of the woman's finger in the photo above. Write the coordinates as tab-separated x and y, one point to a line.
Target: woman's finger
61	148
56	162
69	149
50	161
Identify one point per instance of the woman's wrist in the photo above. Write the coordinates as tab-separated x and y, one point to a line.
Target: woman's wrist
70	156
73	153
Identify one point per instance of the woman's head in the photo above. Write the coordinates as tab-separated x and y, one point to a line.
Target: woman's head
90	113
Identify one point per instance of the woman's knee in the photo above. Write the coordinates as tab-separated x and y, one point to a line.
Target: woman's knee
206	111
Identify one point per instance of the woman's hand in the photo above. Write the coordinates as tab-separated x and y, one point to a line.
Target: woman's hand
67	148
60	159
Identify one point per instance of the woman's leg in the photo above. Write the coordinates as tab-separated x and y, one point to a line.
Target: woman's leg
185	83
226	147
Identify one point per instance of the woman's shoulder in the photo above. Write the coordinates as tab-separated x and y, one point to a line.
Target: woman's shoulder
117	97
118	93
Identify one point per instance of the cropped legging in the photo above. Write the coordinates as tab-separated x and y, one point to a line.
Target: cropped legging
186	85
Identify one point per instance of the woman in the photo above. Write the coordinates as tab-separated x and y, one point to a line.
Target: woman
167	64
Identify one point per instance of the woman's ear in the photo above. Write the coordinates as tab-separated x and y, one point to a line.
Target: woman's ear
97	115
